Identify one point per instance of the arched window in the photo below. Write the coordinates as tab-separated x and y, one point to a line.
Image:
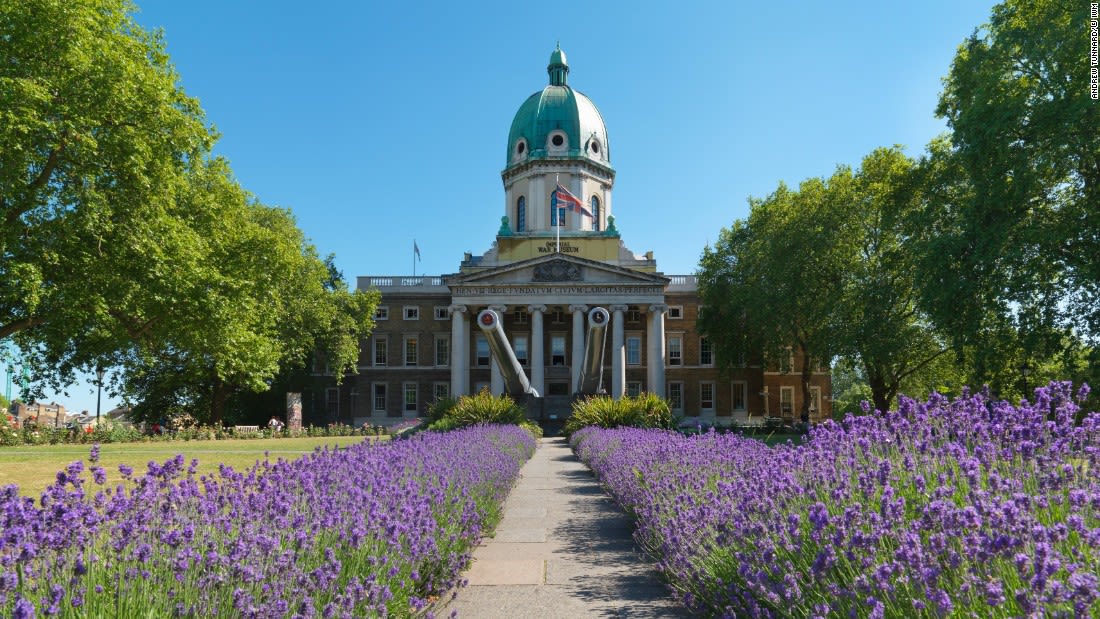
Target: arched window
595	213
521	214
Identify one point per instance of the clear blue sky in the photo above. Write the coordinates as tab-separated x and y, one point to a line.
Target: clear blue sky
380	122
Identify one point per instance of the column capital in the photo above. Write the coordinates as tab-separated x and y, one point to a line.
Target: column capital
499	308
536	308
619	308
457	308
578	308
658	308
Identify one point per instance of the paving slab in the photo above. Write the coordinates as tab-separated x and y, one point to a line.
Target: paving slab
564	549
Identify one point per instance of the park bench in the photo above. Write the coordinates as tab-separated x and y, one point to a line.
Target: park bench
246	429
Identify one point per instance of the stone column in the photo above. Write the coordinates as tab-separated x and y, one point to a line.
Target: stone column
578	344
618	351
656	348
460	351
538	358
496	378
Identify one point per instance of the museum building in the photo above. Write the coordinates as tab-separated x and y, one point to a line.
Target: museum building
548	267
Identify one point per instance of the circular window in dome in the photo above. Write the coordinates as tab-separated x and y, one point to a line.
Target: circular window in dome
520	148
557	140
595	147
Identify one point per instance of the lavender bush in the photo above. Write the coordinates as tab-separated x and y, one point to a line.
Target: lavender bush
965	508
371	530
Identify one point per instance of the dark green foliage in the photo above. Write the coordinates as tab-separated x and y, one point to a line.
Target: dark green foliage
644	411
483	407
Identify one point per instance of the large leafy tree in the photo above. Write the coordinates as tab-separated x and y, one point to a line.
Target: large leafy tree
769	283
96	138
1016	257
124	241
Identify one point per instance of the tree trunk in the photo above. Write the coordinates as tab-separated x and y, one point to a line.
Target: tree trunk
807	374
218	395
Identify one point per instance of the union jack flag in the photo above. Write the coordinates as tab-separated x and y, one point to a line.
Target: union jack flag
562	198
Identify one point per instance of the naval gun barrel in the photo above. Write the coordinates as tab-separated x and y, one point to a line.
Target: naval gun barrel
592	367
515	381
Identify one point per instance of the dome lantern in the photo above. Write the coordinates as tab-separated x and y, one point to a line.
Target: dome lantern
558	68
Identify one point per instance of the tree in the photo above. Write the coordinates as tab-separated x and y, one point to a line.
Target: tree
1019	180
770	283
96	138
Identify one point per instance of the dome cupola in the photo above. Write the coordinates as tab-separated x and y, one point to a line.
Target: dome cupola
558	123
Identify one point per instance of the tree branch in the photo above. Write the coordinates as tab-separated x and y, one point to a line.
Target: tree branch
39	182
20	325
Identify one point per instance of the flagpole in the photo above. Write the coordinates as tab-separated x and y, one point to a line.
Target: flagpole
414	257
557	218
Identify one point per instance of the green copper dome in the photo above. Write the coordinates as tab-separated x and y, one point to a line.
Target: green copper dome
558	123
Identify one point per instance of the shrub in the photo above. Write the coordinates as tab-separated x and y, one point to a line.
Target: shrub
482	407
647	410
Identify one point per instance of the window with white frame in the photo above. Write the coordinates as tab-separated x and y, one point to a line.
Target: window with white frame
441	390
675	312
379	397
786	401
382	312
634	388
706	397
519	345
410	390
442	350
633	350
739	396
411	342
381	350
676	396
557	350
332	402
633	315
706	352
442	312
412	312
675	350
481	346
815	401
520	316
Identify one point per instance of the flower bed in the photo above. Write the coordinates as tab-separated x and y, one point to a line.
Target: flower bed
963	508
374	529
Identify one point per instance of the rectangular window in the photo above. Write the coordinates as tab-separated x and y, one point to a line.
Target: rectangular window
634	388
481	345
441	390
633	350
379	397
786	401
675	312
633	315
353	402
557	350
557	388
410	351
479	387
520	317
706	354
332	402
412	312
382	312
442	351
676	396
442	312
706	397
675	352
815	401
519	344
557	316
410	397
381	350
739	389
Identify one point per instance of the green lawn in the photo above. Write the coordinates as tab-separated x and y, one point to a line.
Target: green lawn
33	467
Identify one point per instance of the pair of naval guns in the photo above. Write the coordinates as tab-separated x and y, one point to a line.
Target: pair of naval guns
516	382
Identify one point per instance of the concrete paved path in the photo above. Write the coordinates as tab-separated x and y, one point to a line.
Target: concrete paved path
562	549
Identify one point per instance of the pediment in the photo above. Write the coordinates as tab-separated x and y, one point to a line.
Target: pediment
554	269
